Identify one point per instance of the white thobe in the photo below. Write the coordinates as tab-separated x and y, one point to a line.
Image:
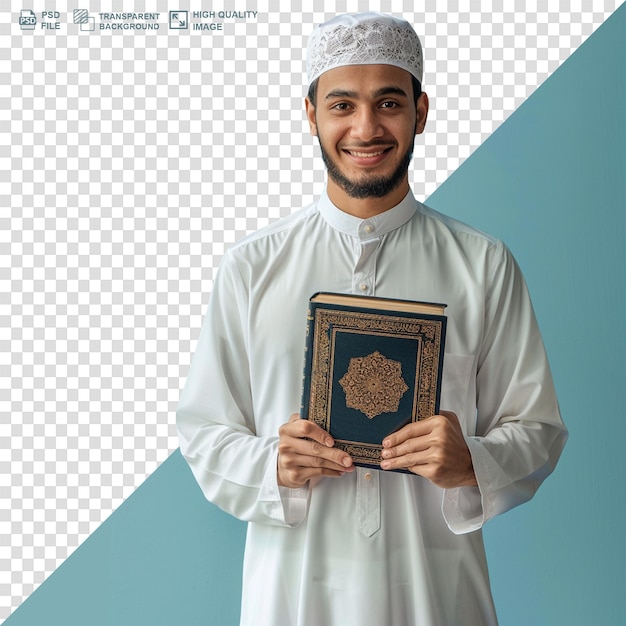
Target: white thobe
370	547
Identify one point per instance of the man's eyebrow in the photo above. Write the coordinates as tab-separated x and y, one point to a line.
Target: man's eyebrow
383	91
340	93
388	91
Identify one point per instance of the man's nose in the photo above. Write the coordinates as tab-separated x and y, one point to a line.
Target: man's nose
366	124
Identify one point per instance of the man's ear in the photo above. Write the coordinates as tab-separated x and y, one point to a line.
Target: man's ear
421	107
310	114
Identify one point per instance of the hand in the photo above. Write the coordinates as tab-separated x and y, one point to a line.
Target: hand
433	448
305	451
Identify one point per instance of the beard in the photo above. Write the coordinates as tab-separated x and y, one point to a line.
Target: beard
374	187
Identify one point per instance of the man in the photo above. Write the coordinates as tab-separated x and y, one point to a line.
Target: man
329	543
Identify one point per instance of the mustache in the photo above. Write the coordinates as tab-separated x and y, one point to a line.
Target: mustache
371	144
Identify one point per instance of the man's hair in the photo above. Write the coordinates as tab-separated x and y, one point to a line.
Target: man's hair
417	90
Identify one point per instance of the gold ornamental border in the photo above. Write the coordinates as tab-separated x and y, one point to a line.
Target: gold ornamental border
427	332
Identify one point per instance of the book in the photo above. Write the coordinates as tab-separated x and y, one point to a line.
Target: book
372	365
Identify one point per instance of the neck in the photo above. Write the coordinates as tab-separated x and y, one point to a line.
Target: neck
365	208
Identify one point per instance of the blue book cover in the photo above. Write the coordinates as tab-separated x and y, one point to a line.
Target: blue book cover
372	365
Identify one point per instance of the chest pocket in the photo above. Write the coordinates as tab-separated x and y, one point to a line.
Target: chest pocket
458	389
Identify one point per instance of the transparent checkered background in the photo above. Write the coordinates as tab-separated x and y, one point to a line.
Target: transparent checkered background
129	162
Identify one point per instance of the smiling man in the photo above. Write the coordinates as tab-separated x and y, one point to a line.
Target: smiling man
368	127
330	543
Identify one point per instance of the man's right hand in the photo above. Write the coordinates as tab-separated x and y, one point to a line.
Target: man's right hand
305	451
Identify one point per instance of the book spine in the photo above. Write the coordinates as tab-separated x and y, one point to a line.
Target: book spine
308	361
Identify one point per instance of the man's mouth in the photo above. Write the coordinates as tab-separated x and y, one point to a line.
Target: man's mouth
366	154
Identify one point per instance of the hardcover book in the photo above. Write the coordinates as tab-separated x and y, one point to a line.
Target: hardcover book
372	365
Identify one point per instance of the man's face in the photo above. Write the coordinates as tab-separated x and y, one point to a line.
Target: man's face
366	119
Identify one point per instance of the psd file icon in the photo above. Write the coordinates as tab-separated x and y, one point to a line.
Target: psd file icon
28	20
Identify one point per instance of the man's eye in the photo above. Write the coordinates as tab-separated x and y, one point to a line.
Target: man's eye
341	106
389	105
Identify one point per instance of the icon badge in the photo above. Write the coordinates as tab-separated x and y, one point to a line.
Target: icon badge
28	20
87	23
179	20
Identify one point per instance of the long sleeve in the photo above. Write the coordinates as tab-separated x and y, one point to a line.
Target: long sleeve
519	434
233	464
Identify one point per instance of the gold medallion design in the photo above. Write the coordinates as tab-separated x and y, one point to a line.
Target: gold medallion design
373	384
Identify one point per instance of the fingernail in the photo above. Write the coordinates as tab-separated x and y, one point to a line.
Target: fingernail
347	462
385	464
329	442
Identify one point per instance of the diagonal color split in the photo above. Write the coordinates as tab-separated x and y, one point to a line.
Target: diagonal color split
551	183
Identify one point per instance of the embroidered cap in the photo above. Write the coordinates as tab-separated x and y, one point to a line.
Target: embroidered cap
364	39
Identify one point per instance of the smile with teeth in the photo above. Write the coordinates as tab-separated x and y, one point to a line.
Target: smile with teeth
366	155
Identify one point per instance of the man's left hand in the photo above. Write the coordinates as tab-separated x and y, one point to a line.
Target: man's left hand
433	448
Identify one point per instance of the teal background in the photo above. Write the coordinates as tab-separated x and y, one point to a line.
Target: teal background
166	556
551	182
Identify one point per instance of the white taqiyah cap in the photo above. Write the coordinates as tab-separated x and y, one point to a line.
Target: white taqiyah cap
364	39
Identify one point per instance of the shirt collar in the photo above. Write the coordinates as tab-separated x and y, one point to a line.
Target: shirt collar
371	227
